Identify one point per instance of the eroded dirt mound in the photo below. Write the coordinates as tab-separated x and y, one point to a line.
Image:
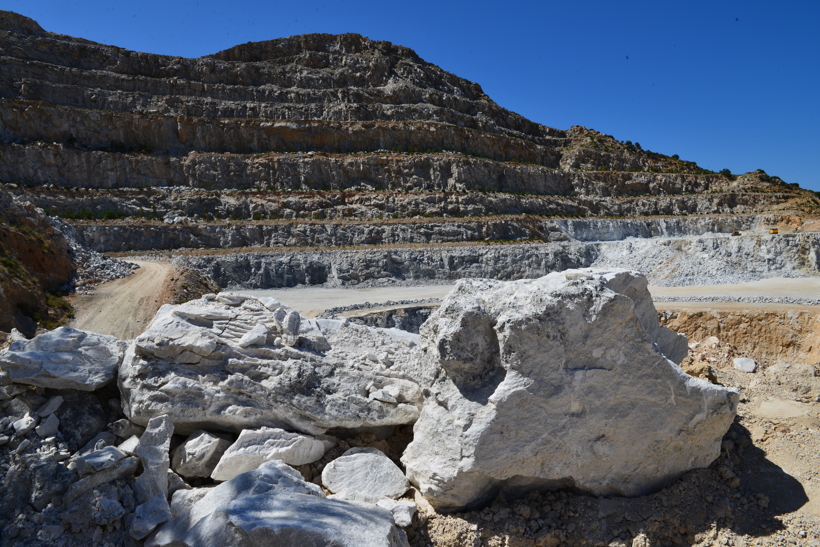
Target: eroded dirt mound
776	333
34	258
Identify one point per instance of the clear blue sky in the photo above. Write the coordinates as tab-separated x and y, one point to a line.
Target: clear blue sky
726	83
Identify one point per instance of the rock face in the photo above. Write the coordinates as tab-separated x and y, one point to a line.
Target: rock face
307	376
64	358
559	381
683	261
273	505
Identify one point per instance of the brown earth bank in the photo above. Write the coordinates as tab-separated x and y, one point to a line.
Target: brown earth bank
775	332
35	263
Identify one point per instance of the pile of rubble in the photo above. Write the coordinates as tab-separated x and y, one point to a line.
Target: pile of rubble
234	420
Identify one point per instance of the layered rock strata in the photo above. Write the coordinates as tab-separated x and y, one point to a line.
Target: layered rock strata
563	381
118	237
684	261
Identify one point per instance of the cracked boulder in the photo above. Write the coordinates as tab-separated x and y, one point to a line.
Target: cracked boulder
562	381
64	358
232	362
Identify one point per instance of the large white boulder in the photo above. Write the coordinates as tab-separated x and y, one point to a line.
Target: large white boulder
273	505
207	364
257	446
64	358
559	381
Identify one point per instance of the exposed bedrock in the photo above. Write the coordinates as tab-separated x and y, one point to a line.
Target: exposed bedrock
138	131
667	261
141	237
47	163
561	381
231	363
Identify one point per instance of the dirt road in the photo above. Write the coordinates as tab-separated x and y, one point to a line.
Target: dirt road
124	307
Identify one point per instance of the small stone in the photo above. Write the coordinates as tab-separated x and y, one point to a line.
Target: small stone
129	446
4	439
291	322
364	471
53	531
125	428
153	451
402	510
257	336
124	468
49	427
24	425
745	364
149	515
175	483
199	455
51	406
98	460
383	396
22	446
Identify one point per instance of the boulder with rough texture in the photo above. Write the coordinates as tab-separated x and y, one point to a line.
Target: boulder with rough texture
273	505
199	454
153	452
255	447
64	358
559	381
364	474
190	365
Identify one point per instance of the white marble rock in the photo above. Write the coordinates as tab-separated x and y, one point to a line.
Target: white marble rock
99	460
153	452
402	510
364	474
199	454
48	427
257	446
190	364
273	505
64	358
745	364
149	515
562	381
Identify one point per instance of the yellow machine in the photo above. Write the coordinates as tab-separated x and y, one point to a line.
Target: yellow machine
772	230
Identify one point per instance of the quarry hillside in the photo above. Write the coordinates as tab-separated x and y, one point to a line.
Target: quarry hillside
549	397
322	141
